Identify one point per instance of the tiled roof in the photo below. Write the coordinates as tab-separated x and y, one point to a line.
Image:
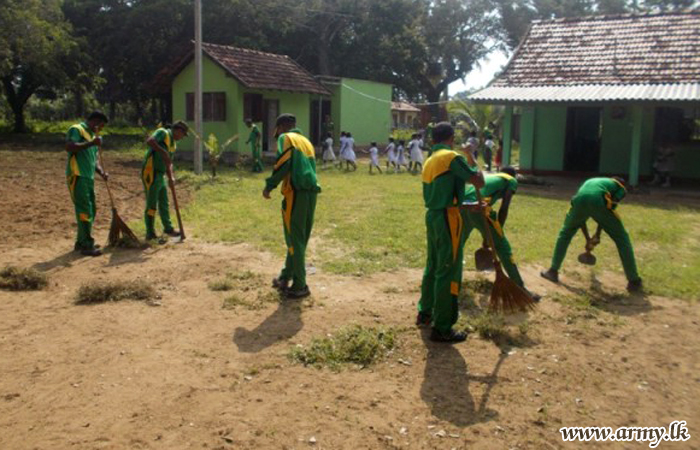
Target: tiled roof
625	49
253	69
403	106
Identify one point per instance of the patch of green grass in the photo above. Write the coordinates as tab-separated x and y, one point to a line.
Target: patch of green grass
112	291
351	345
222	284
367	224
22	279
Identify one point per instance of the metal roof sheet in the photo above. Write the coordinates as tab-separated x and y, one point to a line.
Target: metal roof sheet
682	92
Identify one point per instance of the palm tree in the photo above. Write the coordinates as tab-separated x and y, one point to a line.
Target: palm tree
476	117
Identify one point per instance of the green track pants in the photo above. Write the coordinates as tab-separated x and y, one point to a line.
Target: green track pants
500	241
442	277
257	158
82	192
581	210
298	209
156	200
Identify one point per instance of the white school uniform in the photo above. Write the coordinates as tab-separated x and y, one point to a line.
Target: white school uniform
350	149
401	157
416	152
374	156
328	154
343	145
391	152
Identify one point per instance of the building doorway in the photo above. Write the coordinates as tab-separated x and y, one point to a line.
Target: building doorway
316	121
583	136
270	112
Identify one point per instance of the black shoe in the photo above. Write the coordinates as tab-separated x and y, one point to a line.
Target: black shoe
635	286
91	251
280	283
551	275
77	247
172	233
151	237
423	319
450	336
295	293
535	297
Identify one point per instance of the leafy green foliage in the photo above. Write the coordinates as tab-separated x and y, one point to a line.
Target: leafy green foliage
216	150
350	345
19	279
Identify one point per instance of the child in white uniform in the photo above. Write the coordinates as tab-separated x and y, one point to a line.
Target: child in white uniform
416	154
350	156
374	157
341	152
391	154
328	154
401	155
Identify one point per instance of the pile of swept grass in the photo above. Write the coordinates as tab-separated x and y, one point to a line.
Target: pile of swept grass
113	291
18	279
351	345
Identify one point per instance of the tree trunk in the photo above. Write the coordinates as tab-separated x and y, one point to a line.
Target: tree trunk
433	95
112	109
79	103
17	100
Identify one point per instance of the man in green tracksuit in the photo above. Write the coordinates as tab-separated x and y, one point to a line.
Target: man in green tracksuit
82	145
254	141
296	170
444	176
500	186
597	198
156	165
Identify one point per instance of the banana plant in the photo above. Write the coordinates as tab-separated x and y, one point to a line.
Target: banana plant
216	150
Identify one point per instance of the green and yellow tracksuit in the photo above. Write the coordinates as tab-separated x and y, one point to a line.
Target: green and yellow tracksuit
444	176
598	198
495	188
255	149
296	170
154	182
80	174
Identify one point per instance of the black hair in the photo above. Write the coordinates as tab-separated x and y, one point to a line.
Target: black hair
286	119
329	135
348	134
472	133
373	144
97	114
401	142
443	132
510	170
621	180
391	139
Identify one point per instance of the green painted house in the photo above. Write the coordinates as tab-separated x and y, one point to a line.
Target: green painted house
241	83
599	95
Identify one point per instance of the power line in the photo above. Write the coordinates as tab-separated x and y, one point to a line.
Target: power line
371	97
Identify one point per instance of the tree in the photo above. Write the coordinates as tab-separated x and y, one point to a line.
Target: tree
36	43
477	116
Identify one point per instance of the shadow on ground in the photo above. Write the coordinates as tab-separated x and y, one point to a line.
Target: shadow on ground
281	325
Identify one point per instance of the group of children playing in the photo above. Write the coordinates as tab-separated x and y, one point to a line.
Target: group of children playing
395	151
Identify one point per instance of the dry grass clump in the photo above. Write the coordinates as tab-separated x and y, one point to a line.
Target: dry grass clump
351	345
113	291
18	279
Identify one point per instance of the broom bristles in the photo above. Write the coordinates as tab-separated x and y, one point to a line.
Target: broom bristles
120	235
508	297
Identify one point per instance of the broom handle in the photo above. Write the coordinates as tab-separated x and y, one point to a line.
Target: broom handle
109	191
177	209
487	227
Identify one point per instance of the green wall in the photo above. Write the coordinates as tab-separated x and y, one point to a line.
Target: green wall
366	118
543	142
216	79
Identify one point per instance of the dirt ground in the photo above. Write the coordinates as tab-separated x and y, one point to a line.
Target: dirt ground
187	373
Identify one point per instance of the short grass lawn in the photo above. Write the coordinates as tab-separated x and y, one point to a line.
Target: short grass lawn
367	224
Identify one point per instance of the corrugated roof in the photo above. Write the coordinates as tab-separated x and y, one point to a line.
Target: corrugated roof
253	69
689	92
403	106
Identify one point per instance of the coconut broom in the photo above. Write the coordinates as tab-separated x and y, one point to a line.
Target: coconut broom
120	235
506	295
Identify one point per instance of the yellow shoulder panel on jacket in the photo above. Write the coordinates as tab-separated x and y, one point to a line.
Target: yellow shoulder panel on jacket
438	164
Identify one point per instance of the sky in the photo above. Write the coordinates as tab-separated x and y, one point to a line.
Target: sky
480	76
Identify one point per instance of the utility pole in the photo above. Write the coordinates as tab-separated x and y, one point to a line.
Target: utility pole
198	86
